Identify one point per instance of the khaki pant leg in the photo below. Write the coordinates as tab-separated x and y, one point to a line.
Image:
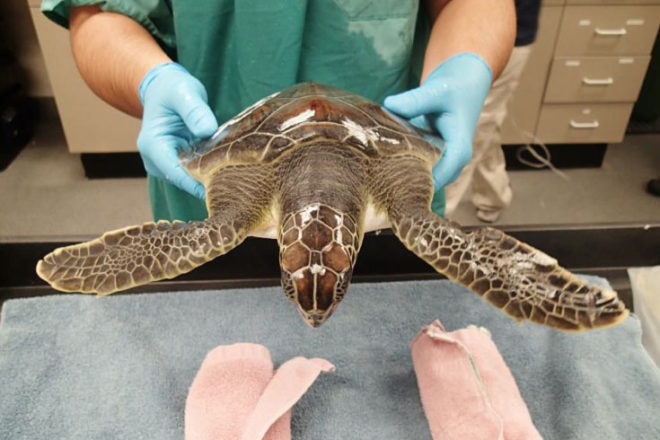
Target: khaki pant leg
486	171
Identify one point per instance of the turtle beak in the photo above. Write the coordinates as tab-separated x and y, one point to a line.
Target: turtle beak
314	318
316	322
314	294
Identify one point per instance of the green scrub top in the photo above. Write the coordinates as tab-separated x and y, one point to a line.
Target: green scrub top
243	50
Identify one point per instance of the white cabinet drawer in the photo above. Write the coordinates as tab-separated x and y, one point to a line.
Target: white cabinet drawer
525	104
607	30
589	79
583	123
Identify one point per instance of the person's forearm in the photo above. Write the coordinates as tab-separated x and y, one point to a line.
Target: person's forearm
484	27
113	53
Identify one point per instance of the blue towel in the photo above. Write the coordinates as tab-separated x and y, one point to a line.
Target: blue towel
78	367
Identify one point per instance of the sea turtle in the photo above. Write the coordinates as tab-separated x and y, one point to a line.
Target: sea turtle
316	167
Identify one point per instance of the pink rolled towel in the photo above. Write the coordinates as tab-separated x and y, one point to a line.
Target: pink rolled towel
236	396
225	390
502	389
290	382
466	389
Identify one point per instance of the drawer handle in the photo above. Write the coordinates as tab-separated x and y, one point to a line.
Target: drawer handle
598	81
611	32
593	124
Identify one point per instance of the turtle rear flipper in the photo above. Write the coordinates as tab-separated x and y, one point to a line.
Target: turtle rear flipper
136	255
520	280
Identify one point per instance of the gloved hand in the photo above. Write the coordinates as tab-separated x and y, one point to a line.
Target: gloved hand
448	102
175	113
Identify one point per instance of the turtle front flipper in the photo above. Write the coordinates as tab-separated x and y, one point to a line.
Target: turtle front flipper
238	200
520	280
137	255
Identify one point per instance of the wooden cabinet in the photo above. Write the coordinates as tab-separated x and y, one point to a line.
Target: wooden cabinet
589	59
520	125
582	123
596	79
607	30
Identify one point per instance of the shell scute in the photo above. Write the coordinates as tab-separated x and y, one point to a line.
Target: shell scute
295	117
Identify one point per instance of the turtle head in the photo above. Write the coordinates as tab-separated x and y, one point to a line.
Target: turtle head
318	246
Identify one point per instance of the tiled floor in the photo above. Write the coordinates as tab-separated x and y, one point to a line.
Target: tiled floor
45	195
614	193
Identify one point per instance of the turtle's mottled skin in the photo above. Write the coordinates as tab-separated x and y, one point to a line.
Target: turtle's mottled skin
315	167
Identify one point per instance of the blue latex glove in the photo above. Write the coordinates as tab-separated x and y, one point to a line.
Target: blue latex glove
448	102
175	114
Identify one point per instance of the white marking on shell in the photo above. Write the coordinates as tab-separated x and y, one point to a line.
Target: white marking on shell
302	117
306	214
389	140
242	114
364	134
318	269
222	131
357	131
298	275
